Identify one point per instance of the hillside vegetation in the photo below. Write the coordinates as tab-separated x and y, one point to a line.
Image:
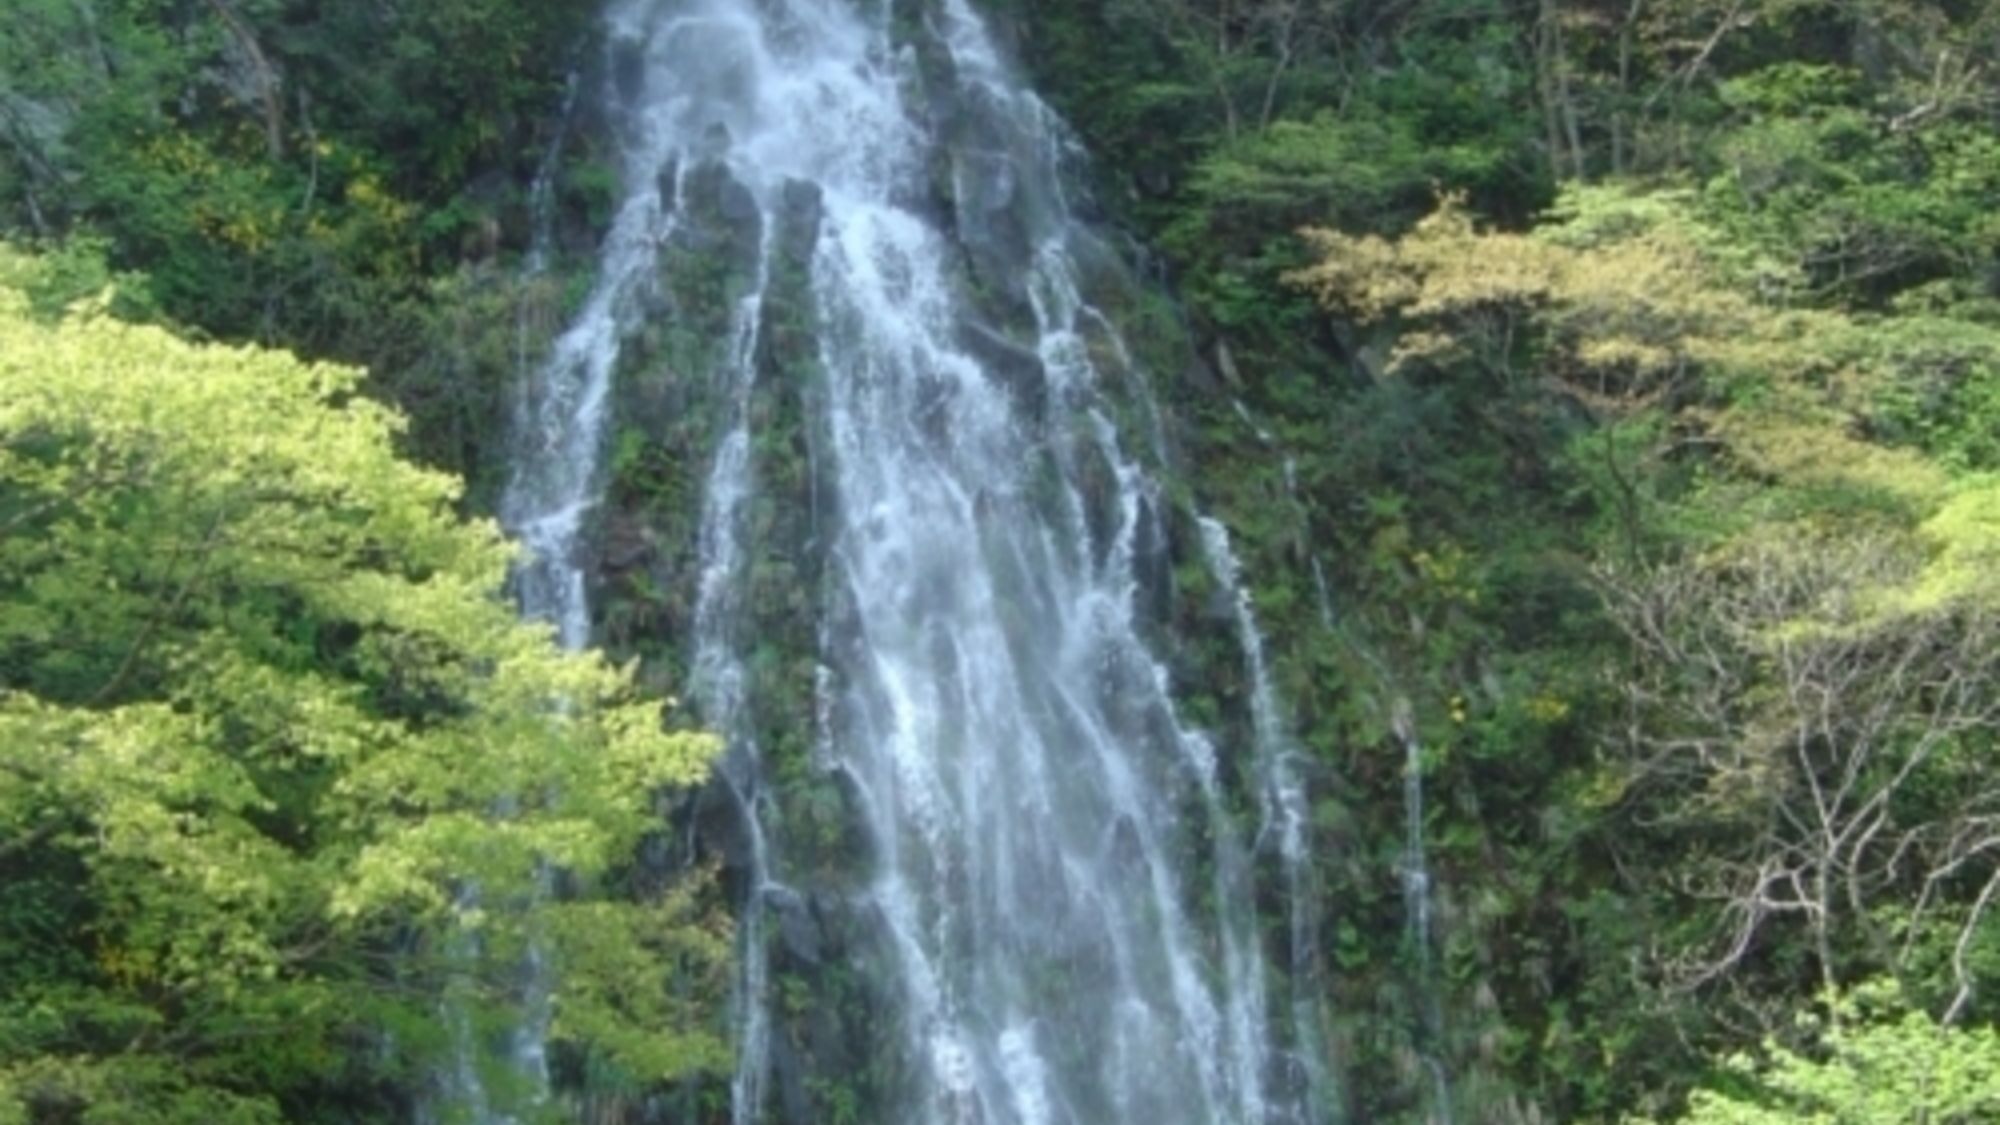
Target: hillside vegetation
1607	389
1605	397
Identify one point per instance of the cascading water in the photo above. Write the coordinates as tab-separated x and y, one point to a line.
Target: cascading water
1323	592
540	508
919	513
1416	879
1281	797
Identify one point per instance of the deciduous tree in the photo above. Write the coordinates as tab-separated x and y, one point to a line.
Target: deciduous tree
265	719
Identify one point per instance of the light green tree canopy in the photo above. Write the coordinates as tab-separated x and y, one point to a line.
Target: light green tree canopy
1872	1063
264	714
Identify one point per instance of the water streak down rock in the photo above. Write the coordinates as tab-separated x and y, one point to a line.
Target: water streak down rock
990	870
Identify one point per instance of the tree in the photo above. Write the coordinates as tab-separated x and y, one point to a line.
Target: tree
1827	750
265	720
1814	660
1869	1061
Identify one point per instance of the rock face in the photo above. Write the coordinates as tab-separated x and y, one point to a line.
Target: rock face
875	483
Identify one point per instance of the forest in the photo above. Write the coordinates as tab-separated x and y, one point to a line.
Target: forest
1602	398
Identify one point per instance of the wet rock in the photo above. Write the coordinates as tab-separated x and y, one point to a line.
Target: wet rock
739	209
1153	566
1200	377
995	222
1098	485
628	67
721	214
836	812
1011	363
788	347
914	26
788	1075
798	927
715	141
626	545
801	204
832	1021
720	824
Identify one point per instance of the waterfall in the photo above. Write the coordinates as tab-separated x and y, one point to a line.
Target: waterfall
925	574
1282	811
1323	595
557	415
542	189
1416	880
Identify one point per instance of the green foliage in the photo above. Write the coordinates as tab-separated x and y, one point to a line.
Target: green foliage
1867	1061
1373	170
1757	356
441	84
328	178
76	270
1746	349
1863	208
1237	124
1788	535
264	715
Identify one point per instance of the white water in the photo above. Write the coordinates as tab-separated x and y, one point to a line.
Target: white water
1065	905
540	491
1282	808
1416	875
1417	909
